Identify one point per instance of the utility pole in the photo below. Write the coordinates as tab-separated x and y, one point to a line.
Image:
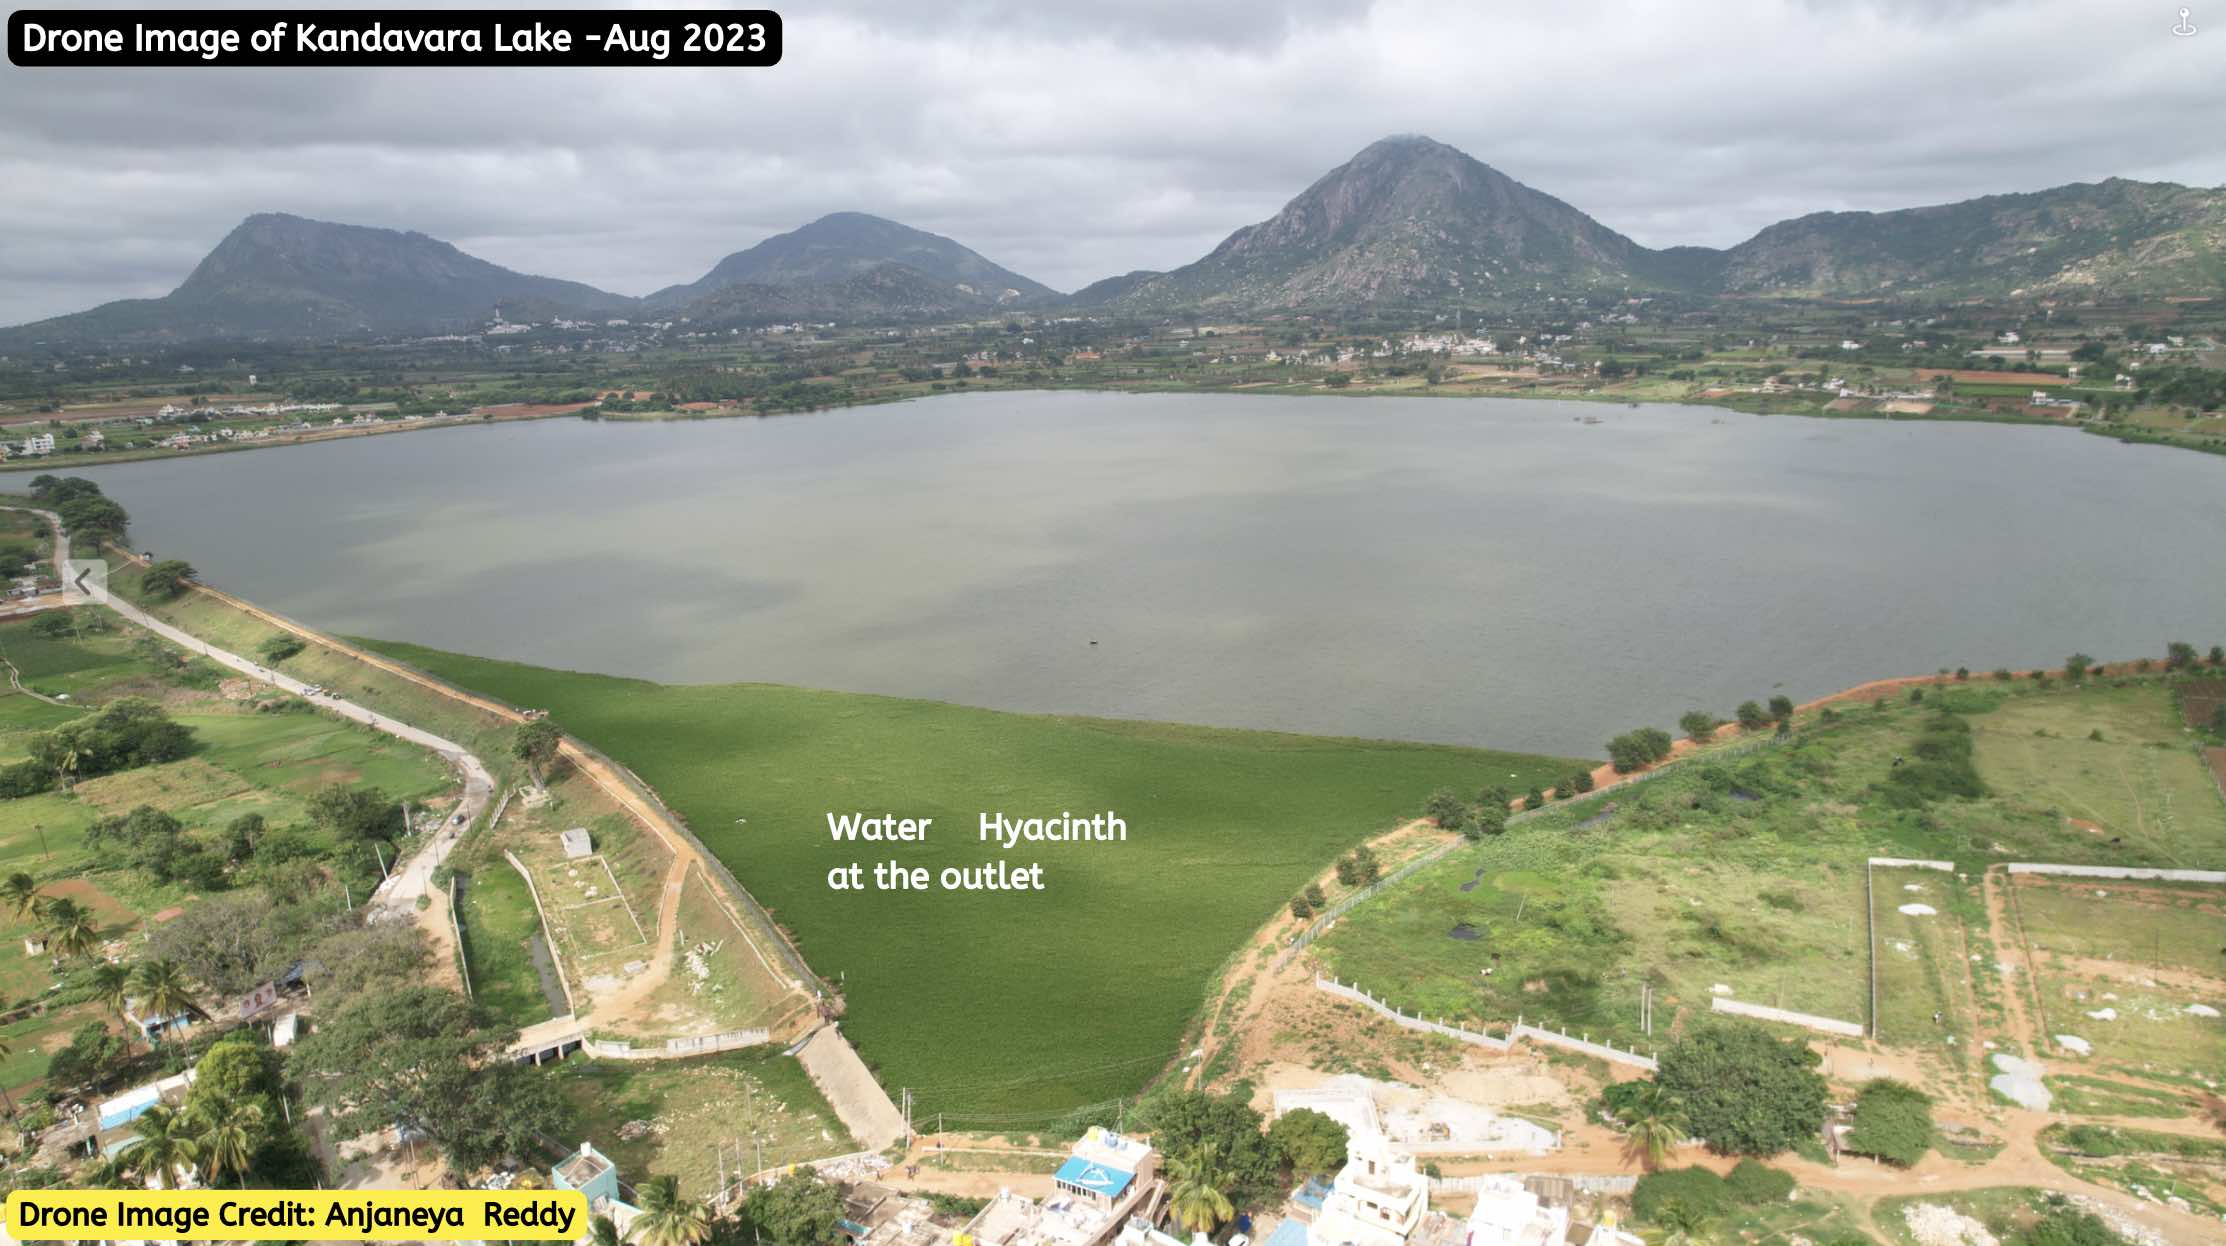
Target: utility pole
381	855
908	1136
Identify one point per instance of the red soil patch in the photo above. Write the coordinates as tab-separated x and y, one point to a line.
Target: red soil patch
107	909
169	914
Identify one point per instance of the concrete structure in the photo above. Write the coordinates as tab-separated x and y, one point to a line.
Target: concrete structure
578	843
595	1175
1107	1180
1378	1199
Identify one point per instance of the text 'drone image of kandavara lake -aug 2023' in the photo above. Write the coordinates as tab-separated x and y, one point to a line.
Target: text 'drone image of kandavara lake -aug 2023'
1520	574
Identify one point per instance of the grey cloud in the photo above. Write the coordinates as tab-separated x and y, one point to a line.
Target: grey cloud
1075	142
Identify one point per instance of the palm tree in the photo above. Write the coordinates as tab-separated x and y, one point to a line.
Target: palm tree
1687	1224
20	892
230	1133
71	929
110	987
65	766
668	1219
1654	1124
166	1145
7	1049
163	992
1196	1191
603	1231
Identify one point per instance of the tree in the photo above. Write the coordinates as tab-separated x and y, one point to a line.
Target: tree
1750	716
71	930
164	992
2076	667
91	1058
231	1131
603	1231
1654	1124
109	985
1489	820
2179	656
1300	909
1198	1184
167	1144
2217	655
798	1210
428	1060
1781	708
1893	1121
1699	726
1449	811
1744	1090
20	892
356	812
1315	897
535	743
93	518
168	579
1636	750
667	1219
1188	1122
1307	1142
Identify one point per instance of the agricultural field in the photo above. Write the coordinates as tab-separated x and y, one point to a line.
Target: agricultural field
2135	971
1744	870
667	1116
1115	953
253	752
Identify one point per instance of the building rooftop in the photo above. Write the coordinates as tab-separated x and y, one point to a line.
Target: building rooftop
582	1167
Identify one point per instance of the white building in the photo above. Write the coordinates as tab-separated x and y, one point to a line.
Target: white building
1377	1200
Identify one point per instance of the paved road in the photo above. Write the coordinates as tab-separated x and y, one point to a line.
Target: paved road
397	896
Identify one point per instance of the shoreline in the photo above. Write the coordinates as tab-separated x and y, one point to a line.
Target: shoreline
2125	435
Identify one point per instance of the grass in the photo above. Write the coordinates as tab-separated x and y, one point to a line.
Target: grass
2139	782
2081	1095
1084	988
2143	952
1745	869
499	926
741	1097
1925	970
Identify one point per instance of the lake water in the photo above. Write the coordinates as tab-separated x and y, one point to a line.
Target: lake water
1478	571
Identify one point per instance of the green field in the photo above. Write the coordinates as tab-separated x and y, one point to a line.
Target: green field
245	760
1744	869
756	1098
2139	782
1001	1001
499	926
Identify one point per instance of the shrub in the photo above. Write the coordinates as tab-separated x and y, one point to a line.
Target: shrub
1450	812
1300	908
1750	715
1941	767
1755	1183
1696	1189
279	648
1893	1122
1635	750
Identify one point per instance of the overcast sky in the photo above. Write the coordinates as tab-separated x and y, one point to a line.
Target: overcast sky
1072	143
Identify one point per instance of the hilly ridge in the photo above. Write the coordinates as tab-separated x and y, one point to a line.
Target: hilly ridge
1408	222
1413	222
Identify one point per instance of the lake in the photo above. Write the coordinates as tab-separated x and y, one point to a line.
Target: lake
1480	571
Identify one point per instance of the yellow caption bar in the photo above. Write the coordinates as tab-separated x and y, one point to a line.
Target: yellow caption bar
293	1215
